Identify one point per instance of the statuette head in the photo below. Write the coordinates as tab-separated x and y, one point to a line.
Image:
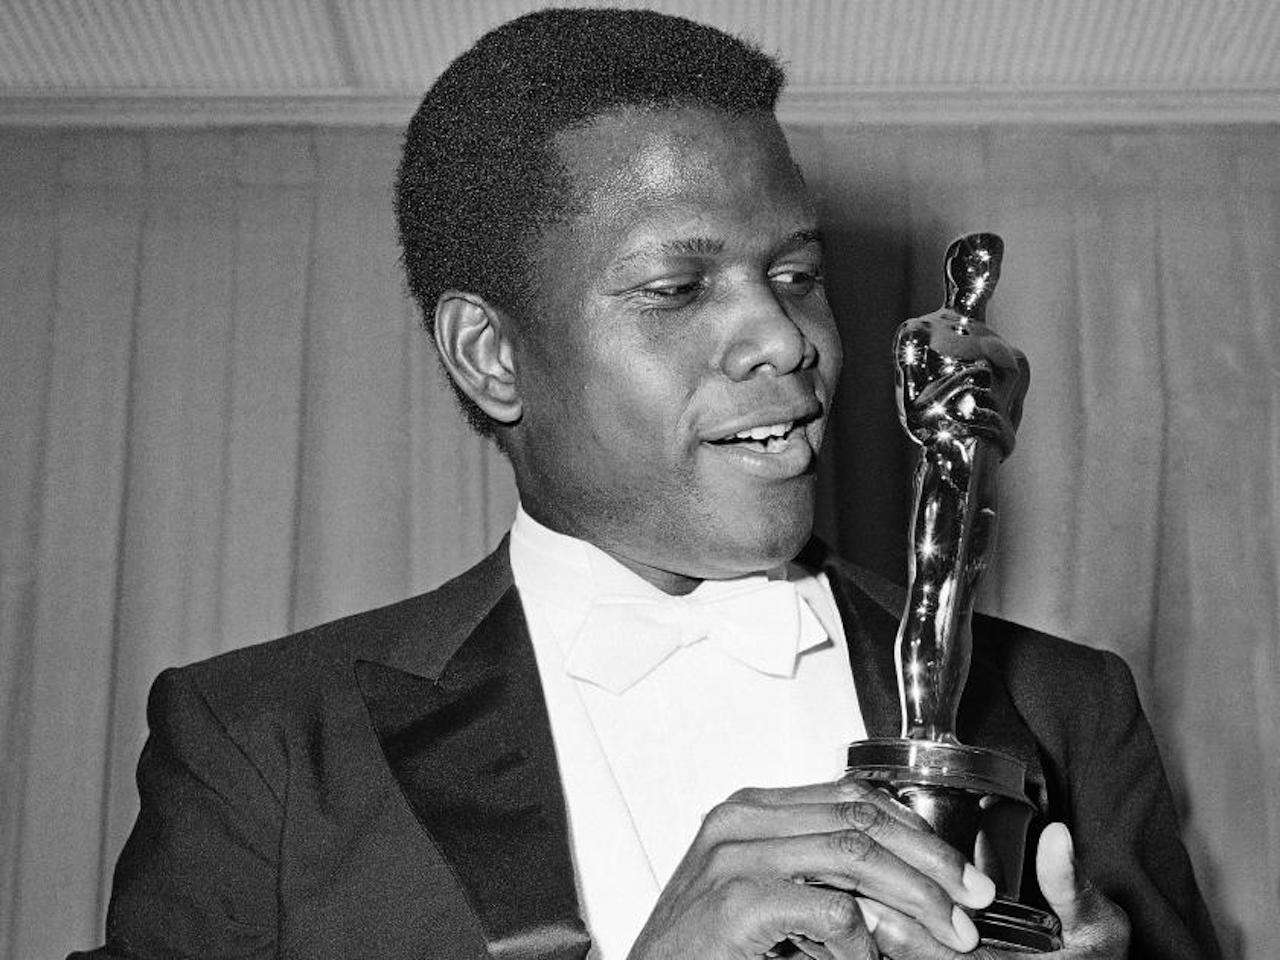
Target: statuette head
971	269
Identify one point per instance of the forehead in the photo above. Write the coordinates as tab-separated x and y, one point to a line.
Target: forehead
637	165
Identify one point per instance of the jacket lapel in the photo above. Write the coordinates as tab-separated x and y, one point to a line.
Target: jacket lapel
988	716
458	709
467	738
870	630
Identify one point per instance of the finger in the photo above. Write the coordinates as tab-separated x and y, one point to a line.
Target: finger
798	946
810	915
925	851
1055	869
979	411
992	426
968	377
967	402
895	808
1088	918
829	791
941	392
883	797
950	391
850	860
845	790
902	938
976	411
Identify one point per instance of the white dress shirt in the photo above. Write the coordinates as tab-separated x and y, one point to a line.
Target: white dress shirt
644	758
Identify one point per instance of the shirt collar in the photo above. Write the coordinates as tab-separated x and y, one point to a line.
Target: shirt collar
544	561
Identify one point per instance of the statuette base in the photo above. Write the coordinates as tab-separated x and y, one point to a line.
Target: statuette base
976	800
1018	928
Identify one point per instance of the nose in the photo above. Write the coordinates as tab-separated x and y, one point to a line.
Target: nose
765	338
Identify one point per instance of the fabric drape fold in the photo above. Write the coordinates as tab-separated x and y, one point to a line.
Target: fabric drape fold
220	422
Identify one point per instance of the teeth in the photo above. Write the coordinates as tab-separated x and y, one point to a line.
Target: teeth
765	432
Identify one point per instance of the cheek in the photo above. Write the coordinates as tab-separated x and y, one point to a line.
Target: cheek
831	360
616	414
825	337
646	379
643	411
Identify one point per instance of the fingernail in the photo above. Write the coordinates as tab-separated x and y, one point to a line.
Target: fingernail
1070	844
980	887
966	932
870	915
851	787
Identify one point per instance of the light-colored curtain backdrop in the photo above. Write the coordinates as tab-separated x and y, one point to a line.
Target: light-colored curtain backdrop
220	424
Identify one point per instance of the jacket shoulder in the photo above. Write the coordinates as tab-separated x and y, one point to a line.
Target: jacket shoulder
285	673
1039	668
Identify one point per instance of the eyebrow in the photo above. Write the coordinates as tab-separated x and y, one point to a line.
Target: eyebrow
704	246
693	246
682	247
802	238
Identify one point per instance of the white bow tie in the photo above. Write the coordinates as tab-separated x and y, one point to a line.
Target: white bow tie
764	624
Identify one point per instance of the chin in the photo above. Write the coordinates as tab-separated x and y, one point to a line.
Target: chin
764	545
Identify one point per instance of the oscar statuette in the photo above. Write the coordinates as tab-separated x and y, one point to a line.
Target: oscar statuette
960	390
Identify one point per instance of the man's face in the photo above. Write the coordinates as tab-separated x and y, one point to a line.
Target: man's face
676	384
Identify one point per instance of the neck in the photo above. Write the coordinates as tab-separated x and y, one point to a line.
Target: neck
675	584
669	582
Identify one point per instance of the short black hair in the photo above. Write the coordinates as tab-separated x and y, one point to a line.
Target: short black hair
479	178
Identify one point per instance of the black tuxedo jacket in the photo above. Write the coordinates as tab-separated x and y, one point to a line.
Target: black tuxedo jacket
385	786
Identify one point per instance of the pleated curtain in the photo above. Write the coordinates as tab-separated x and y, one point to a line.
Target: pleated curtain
219	423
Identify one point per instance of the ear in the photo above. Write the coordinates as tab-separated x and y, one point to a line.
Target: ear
475	342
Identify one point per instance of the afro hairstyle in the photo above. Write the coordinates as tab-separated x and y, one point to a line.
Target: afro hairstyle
479	177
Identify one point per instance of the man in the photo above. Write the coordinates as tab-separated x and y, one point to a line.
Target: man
622	272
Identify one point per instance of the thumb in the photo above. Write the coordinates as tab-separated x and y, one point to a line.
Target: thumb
1056	871
1087	916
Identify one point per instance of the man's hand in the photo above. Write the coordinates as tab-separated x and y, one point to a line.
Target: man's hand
774	865
1093	928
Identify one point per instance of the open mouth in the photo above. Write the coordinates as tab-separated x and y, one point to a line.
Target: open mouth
769	438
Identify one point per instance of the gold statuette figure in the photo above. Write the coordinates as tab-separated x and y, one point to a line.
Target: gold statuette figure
960	390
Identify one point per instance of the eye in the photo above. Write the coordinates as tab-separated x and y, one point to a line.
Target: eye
672	291
796	281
